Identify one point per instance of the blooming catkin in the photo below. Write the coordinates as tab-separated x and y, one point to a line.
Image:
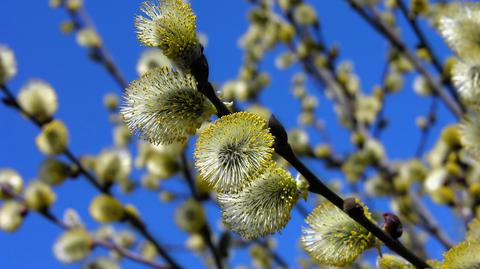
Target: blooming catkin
170	25
463	256
233	150
333	238
263	207
461	30
164	106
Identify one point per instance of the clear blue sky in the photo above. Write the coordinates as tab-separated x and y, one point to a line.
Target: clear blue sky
31	29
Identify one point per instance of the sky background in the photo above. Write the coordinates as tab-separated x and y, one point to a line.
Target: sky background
31	29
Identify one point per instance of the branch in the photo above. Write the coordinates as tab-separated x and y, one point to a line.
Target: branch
200	72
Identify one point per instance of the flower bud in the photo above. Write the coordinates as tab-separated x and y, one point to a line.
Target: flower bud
299	141
105	208
305	14
110	101
73	5
53	138
38	99
166	196
195	242
11	179
39	196
55	3
190	216
393	226
88	38
286	32
73	246
113	165
8	64
11	216
66	27
54	172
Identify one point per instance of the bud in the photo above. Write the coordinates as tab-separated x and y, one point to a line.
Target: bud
166	196
73	5
105	208
195	242
55	3
8	64
113	165
305	14
38	99
53	138
11	179
190	216
286	32
299	141
419	6
73	246
39	196
67	27
88	38
110	101
393	226
54	172
11	216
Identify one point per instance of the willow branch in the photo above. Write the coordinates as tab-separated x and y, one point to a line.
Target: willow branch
200	72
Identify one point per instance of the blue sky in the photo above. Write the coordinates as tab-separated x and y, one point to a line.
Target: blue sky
32	30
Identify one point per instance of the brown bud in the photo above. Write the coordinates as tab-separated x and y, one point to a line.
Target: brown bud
393	225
